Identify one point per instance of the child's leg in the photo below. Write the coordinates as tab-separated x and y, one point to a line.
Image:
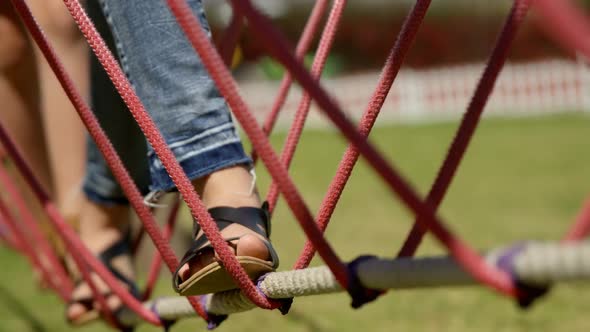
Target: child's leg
104	218
19	93
64	132
184	102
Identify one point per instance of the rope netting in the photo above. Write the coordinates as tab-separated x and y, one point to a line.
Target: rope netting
523	271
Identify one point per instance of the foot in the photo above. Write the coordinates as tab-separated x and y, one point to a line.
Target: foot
83	302
250	244
231	187
103	230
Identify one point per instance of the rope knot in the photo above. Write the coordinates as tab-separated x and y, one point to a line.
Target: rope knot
527	292
360	294
284	305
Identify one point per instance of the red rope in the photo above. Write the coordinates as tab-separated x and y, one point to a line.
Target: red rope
176	173
389	73
325	45
156	264
79	252
228	88
466	256
28	249
569	27
57	273
63	229
230	39
303	46
9	239
469	123
581	227
566	24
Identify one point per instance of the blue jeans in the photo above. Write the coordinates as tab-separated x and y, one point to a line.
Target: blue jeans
176	90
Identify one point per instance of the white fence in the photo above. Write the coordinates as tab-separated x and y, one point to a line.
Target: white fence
549	86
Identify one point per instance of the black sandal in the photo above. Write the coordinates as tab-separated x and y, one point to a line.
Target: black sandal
119	248
214	278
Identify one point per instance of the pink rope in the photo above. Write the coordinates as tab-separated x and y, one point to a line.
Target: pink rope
9	239
469	123
325	45
389	73
28	249
55	218
79	252
176	173
466	256
230	39
156	264
581	227
565	24
57	273
228	88
309	32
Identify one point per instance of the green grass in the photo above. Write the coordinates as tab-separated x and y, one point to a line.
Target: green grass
521	179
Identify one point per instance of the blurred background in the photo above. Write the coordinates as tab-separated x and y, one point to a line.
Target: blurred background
440	71
524	177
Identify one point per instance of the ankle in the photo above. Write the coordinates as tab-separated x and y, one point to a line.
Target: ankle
233	187
100	225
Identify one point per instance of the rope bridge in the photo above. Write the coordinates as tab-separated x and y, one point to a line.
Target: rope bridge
522	271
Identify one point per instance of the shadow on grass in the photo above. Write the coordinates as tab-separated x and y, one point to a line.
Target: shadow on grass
18	309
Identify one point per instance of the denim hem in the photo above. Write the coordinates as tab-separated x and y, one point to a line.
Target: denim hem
203	164
103	200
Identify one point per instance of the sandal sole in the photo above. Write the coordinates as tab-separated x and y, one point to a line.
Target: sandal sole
214	278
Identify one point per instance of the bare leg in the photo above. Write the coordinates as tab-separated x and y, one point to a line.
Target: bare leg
19	93
64	131
100	226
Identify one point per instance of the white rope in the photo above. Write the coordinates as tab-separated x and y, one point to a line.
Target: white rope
536	264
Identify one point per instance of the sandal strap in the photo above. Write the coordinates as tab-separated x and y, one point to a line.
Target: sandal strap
249	217
119	248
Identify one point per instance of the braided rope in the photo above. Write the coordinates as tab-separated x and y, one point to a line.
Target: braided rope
388	74
82	257
537	263
470	260
321	57
54	273
469	123
566	24
228	87
303	45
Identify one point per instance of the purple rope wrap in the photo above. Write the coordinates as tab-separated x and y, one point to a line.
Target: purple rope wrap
527	293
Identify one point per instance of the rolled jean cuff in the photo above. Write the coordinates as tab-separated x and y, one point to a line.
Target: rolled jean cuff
200	158
114	197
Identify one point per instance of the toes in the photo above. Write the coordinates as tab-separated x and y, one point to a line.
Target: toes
113	302
248	245
75	310
204	258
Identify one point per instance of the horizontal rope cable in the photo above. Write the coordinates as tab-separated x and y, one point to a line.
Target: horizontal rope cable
536	264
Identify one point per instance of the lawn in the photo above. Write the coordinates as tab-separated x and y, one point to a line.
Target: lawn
522	179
